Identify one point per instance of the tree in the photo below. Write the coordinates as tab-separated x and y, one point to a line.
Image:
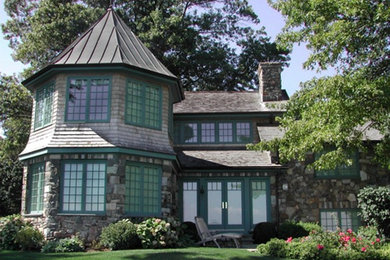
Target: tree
15	117
353	37
208	44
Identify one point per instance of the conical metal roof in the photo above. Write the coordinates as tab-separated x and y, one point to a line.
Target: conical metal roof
110	41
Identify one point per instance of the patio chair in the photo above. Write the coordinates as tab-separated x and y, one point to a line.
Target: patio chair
206	236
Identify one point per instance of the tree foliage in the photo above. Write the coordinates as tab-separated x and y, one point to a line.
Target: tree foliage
15	117
208	44
353	36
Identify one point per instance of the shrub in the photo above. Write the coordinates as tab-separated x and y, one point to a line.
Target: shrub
49	247
276	247
368	232
297	229
158	233
299	250
189	233
73	244
9	227
374	204
29	238
263	232
120	235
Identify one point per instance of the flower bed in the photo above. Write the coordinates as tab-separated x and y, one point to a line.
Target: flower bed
329	245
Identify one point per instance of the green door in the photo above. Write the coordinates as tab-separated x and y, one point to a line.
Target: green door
224	204
227	204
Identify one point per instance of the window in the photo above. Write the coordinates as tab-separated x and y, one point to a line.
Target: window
190	200
143	105
43	106
83	187
88	100
143	189
212	132
343	171
333	218
36	183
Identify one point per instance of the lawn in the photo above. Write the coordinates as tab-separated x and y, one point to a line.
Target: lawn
164	254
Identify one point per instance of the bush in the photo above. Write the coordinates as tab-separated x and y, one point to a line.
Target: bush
158	233
50	247
9	227
297	229
120	235
73	244
263	232
368	232
374	204
190	231
275	247
29	238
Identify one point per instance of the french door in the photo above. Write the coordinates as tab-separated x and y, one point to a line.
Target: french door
227	204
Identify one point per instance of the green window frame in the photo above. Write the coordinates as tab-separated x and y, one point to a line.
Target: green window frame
213	132
88	99
143	189
35	188
83	187
143	105
43	106
341	172
331	219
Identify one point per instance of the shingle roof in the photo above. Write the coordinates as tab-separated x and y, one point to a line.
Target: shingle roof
224	102
227	158
268	133
110	41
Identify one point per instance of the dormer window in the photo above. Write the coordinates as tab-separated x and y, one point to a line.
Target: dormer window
88	99
143	104
43	106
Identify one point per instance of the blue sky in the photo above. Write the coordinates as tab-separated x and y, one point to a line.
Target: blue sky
270	19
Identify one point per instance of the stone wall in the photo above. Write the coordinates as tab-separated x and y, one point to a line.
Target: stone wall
57	225
304	195
270	82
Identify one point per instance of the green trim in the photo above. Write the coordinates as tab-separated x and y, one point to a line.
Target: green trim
95	150
47	101
88	98
89	68
38	186
84	186
355	218
242	169
141	196
353	171
142	99
180	134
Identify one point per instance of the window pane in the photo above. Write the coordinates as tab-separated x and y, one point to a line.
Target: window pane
77	100
152	107
349	219
243	133
208	132
95	183
72	187
98	103
143	190
190	201
134	104
259	201
225	131
43	106
190	133
329	220
36	187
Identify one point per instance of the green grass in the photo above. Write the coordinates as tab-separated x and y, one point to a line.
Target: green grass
163	254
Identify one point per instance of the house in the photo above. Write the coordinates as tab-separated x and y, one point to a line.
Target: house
113	135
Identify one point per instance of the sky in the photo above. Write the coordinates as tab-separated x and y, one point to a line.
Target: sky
269	18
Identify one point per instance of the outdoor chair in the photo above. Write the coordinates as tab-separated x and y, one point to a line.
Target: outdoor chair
206	236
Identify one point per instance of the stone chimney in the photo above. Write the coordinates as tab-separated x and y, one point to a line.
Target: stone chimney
270	82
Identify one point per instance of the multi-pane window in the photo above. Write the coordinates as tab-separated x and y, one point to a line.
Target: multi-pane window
143	189
343	171
190	200
213	132
208	132
83	187
225	132
143	105
88	100
43	106
346	218
36	182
